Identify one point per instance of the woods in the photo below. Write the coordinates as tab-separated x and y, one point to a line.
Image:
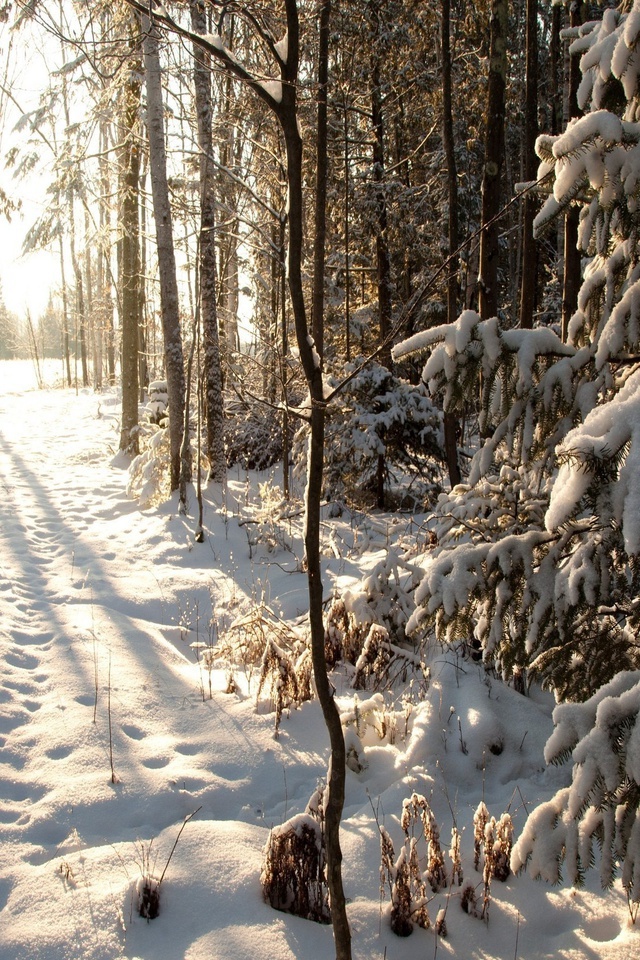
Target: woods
388	250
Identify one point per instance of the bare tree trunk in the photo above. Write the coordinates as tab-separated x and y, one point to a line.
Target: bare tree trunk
450	420
287	114
556	70
91	323
347	239
80	308
169	302
65	312
284	107
230	281
207	255
383	261
571	278
320	236
129	261
281	278
529	278
493	160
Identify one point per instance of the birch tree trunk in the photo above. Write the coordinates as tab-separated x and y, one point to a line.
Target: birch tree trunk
169	303
129	259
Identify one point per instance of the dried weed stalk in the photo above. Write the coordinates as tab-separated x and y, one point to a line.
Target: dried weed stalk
494	839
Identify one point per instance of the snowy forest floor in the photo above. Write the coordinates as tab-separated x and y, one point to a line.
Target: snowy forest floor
99	605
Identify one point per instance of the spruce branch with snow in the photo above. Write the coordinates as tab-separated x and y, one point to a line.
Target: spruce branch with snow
537	556
602	739
378	415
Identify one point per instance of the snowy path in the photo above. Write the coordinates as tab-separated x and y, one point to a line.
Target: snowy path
99	603
91	595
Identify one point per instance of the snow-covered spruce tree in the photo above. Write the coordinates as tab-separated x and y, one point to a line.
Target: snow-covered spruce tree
538	554
377	414
602	738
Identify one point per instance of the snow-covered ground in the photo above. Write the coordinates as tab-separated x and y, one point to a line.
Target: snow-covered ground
100	604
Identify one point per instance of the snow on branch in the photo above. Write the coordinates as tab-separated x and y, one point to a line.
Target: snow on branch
602	739
608	438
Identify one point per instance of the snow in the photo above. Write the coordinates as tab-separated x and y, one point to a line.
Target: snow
100	603
273	89
282	47
606	431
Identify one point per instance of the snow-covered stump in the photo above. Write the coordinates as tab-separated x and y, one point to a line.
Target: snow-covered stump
293	876
148	892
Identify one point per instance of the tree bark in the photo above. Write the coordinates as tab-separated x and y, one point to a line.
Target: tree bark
65	313
169	302
383	260
320	236
129	260
286	110
287	113
450	420
571	276
493	160
214	405
529	274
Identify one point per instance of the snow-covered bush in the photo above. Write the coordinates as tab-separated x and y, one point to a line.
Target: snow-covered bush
602	739
407	888
538	555
149	478
260	638
418	868
253	436
158	402
384	598
354	635
378	415
279	671
293	874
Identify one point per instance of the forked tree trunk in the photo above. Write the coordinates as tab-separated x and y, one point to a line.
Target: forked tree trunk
287	115
493	160
285	108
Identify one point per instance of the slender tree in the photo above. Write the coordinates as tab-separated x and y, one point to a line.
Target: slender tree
450	419
129	259
282	100
493	160
529	280
207	252
170	306
571	272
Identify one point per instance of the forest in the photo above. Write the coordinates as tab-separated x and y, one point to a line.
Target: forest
349	290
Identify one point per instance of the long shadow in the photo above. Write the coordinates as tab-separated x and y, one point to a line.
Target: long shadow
35	511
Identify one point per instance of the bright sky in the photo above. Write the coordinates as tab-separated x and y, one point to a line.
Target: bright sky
26	281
